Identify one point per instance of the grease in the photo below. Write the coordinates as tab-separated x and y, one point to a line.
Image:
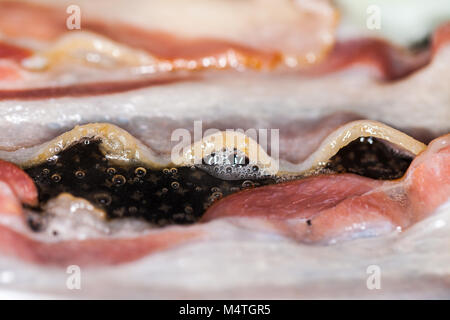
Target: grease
182	195
169	196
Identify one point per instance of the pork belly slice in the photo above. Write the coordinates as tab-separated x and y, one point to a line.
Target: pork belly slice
121	175
329	208
260	24
295	104
63	65
175	34
320	209
111	52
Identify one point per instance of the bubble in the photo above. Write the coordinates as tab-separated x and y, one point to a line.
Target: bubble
56	177
248	184
166	171
216	195
80	174
174	170
140	172
164	190
215	189
230	165
52	160
188	209
103	198
111	171
175	185
119	180
45	171
86	142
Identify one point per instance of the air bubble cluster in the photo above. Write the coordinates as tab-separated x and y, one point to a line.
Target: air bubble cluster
231	164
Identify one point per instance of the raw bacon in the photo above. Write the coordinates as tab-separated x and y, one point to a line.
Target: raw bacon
93	251
311	21
177	53
318	209
137	70
327	207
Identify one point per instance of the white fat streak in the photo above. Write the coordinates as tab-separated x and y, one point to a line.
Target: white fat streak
418	101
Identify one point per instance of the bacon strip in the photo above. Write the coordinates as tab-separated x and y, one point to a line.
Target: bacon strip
324	208
317	20
392	63
318	209
16	187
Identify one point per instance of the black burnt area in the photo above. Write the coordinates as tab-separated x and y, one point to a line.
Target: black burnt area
370	157
168	196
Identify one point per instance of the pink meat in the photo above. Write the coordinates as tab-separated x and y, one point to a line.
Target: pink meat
90	252
20	183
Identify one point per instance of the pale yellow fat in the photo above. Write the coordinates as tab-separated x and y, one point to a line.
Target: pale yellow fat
119	146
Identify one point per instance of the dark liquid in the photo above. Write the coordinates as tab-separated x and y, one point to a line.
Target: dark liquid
169	196
180	195
369	157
